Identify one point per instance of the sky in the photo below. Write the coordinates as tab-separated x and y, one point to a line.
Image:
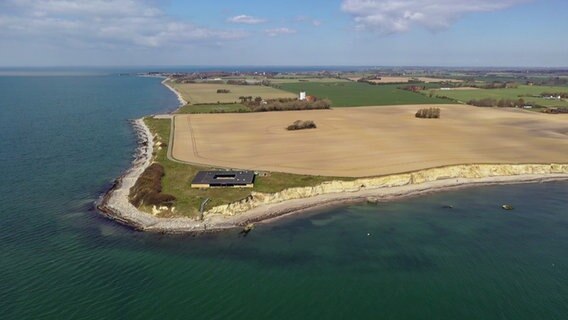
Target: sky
453	33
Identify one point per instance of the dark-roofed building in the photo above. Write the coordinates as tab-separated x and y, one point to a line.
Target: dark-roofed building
227	179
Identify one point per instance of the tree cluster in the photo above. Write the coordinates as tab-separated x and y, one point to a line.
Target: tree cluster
497	85
293	104
301	125
428	113
502	103
556	110
413	88
552	81
147	189
562	95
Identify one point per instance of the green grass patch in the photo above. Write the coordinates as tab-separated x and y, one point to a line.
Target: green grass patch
354	94
213	108
178	177
528	93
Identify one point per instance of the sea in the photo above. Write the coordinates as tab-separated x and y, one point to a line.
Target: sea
65	136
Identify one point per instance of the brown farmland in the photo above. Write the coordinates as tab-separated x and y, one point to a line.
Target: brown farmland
370	141
197	93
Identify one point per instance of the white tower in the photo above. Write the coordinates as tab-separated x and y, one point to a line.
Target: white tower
303	95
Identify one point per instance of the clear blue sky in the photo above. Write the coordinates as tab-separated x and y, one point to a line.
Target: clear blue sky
291	32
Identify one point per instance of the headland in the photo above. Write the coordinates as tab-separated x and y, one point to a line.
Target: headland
355	155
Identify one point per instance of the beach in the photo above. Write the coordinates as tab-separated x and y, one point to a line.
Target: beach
181	100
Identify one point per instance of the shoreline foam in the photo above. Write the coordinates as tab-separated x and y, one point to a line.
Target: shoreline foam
265	207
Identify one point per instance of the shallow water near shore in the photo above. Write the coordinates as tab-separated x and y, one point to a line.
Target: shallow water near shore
64	140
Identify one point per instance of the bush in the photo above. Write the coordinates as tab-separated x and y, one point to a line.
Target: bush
301	125
428	113
147	189
562	95
289	105
556	110
223	91
503	103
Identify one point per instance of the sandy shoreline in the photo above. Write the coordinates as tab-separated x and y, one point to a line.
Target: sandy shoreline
115	204
178	95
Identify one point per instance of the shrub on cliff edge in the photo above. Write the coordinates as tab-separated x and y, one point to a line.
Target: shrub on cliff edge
147	189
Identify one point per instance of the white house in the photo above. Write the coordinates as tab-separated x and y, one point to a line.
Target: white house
303	95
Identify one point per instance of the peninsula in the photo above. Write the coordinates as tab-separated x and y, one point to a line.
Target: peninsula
367	143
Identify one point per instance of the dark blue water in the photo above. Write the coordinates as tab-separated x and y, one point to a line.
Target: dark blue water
64	140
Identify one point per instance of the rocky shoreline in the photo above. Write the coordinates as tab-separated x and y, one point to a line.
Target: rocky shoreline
261	207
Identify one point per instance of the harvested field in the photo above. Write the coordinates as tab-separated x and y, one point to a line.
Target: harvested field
200	93
370	141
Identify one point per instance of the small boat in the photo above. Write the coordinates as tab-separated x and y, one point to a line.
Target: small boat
507	207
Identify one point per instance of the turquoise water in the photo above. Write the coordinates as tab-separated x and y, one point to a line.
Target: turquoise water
63	141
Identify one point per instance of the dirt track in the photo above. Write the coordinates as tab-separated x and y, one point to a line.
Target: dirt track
370	141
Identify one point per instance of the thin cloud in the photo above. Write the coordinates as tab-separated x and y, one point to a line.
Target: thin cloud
244	19
394	16
279	31
306	19
106	23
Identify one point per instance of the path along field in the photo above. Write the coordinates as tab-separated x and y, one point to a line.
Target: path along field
354	94
370	141
200	93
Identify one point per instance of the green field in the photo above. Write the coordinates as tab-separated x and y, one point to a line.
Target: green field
213	108
178	177
525	92
354	94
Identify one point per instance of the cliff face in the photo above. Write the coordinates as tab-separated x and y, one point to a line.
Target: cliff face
257	199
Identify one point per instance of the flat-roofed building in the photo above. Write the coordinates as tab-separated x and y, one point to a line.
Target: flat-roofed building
223	179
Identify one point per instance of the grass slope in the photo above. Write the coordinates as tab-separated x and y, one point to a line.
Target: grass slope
178	177
524	92
354	94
